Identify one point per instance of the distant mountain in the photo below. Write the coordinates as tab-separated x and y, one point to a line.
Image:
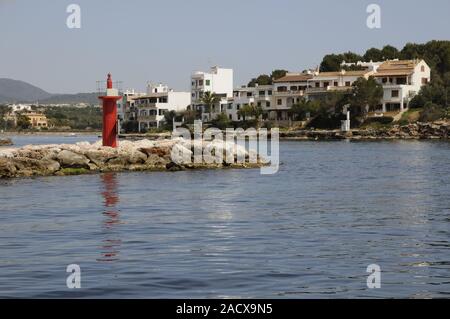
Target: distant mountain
19	91
14	91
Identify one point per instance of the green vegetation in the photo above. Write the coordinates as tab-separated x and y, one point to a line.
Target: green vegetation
209	100
381	120
432	112
433	97
76	118
23	122
265	79
410	116
367	95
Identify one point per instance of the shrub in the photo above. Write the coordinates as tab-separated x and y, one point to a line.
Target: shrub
431	112
379	120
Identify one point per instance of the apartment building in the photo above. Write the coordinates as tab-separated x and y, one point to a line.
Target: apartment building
401	81
218	81
325	82
287	91
150	108
258	96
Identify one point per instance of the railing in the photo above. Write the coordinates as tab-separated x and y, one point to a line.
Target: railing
101	87
146	117
289	92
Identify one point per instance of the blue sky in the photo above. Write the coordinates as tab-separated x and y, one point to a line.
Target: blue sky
140	41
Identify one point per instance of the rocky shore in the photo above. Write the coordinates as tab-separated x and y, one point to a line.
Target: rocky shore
83	157
438	130
5	142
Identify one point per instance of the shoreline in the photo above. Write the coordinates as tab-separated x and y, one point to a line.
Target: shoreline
415	131
142	155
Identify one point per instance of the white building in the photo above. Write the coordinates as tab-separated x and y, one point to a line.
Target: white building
125	105
218	81
287	91
401	81
20	108
341	81
150	108
369	66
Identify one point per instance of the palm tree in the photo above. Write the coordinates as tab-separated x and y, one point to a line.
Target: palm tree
209	99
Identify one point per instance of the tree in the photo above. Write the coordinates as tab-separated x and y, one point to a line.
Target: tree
300	110
210	99
23	121
263	79
245	111
390	53
277	74
222	121
4	111
367	94
190	116
332	62
257	112
374	55
431	112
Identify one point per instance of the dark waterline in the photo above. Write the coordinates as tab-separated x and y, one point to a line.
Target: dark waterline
309	231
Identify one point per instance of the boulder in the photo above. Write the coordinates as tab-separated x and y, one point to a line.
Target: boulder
5	142
69	159
7	168
101	156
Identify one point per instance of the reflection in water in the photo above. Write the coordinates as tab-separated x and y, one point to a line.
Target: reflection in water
110	246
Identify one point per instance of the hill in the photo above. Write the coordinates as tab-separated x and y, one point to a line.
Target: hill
13	91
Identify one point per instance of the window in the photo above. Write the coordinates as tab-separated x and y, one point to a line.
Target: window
401	80
259	104
279	102
193	83
230	117
200	82
394	93
317	84
262	92
336	84
282	88
208	82
422	68
294	88
348	83
384	80
249	94
230	106
267	104
238	106
269	92
424	81
326	84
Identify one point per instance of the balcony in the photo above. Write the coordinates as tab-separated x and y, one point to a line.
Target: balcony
147	118
289	93
313	90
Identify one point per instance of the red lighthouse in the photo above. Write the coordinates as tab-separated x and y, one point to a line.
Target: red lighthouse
109	133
